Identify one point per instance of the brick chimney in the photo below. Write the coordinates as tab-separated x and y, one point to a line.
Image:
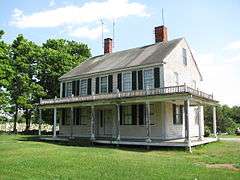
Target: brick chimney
107	45
161	34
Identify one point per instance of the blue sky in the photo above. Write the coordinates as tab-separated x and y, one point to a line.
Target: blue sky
211	28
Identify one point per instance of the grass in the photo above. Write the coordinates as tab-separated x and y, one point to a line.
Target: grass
23	158
228	136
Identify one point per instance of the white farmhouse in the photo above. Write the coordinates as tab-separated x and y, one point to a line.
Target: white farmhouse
142	96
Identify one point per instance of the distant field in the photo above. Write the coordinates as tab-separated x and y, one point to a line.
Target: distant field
23	158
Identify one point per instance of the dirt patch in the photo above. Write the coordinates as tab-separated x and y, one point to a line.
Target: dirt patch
223	166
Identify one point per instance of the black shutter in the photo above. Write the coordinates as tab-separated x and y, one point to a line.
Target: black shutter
63	116
174	113
77	116
89	86
77	87
97	85
156	77
134	80
140	80
110	83
121	115
74	88
119	83
63	89
134	114
141	114
181	114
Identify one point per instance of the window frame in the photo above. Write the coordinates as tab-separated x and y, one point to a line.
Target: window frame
184	56
127	72
129	107
176	78
100	81
80	90
152	70
178	116
66	88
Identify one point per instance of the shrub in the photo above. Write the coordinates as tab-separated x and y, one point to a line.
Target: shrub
207	131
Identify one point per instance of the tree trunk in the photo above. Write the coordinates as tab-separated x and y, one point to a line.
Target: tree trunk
15	119
28	119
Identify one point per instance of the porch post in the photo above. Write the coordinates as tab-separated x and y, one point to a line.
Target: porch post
71	122
92	123
54	122
148	122
40	122
118	123
214	122
200	122
187	123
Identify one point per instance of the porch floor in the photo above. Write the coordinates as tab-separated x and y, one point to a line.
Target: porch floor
156	142
140	142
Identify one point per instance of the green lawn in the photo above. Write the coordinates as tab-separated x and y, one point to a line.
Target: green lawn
21	159
228	136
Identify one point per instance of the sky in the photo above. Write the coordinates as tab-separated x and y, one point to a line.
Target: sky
212	29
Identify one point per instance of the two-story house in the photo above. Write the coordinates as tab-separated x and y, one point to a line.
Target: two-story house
144	96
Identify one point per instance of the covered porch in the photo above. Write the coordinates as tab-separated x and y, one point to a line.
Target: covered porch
180	95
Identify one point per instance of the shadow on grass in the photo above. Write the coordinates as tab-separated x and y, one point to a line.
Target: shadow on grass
85	142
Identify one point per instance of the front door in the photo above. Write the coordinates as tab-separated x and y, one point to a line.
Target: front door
105	122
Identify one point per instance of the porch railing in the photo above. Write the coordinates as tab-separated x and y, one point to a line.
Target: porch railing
135	93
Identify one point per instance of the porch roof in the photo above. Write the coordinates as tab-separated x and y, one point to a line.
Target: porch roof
173	93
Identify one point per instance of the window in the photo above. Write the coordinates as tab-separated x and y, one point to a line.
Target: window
177	114
69	89
85	116
104	84
127	81
127	115
83	87
176	78
148	79
68	116
184	54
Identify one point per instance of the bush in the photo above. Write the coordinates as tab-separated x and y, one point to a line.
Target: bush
207	131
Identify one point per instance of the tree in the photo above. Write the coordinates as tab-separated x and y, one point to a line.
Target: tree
5	74
24	89
58	57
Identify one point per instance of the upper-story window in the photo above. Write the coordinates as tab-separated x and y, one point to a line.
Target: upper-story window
69	89
148	79
184	54
83	87
104	84
176	78
127	81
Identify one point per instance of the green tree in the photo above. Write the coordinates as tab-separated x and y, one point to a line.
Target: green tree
24	89
58	57
6	72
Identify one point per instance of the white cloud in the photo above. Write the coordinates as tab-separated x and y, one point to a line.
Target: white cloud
233	45
76	15
86	32
221	76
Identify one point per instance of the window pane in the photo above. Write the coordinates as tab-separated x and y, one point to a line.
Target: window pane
103	84
83	87
127	82
69	89
148	79
127	115
184	56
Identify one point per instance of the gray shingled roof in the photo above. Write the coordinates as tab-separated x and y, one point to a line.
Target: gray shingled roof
151	54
